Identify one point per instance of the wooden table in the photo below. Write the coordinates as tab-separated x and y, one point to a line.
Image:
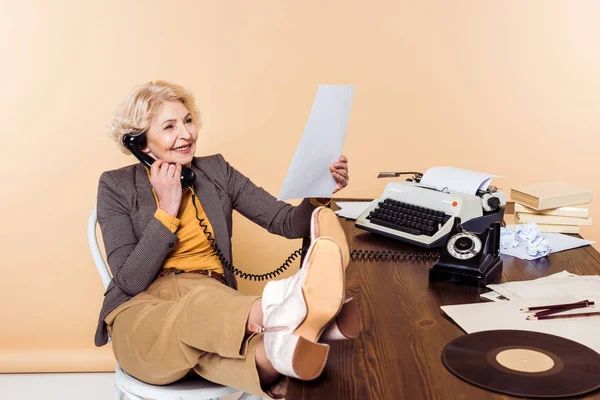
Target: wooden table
398	355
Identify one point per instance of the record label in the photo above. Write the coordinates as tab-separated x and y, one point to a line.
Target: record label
525	360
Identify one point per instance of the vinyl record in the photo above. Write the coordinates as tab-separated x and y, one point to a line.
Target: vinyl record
522	363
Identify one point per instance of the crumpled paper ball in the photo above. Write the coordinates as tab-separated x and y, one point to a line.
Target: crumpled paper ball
508	238
538	247
526	235
528	232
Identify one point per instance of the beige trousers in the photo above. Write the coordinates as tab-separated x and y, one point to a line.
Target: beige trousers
182	323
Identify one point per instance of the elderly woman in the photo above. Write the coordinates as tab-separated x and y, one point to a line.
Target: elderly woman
172	308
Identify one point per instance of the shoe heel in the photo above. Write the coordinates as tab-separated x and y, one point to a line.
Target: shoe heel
347	324
309	359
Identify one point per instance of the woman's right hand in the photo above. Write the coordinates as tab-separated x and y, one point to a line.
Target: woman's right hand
166	181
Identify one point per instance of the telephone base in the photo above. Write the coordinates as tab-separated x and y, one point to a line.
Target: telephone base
467	276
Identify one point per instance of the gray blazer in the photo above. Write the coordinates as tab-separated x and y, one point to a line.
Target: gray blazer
137	244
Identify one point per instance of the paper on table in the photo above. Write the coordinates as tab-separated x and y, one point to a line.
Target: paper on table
507	315
352	209
558	242
562	274
577	285
493	296
502	290
456	179
321	144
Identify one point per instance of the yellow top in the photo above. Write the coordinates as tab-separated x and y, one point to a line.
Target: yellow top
193	251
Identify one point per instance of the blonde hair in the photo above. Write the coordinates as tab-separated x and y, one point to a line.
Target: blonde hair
140	107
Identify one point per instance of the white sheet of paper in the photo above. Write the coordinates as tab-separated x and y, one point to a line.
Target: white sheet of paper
456	179
352	209
571	286
557	241
493	296
555	287
321	144
508	315
503	289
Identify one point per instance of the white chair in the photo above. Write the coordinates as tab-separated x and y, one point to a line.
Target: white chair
136	390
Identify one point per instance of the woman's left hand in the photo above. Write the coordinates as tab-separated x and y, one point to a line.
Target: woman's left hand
339	171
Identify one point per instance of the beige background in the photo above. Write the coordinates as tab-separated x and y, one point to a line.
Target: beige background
508	87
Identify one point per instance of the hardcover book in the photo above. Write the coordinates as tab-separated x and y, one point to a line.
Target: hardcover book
543	196
577	211
552	219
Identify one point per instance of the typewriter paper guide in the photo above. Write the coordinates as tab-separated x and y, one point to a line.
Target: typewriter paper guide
321	145
456	179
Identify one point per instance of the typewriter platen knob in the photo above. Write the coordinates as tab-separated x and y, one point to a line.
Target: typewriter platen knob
494	203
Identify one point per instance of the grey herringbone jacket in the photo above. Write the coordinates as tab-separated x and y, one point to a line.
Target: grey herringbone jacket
137	244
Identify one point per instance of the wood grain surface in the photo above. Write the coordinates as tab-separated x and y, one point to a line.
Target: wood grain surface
398	354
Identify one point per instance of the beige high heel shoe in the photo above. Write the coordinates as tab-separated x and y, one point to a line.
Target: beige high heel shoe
296	311
348	323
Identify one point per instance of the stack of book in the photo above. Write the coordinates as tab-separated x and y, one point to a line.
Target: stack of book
554	206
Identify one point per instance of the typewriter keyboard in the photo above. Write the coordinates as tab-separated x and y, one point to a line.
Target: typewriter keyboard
407	217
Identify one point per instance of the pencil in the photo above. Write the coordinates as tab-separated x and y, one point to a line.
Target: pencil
589	314
584	302
559	310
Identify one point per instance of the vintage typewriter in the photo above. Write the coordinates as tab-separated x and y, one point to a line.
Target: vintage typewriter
424	215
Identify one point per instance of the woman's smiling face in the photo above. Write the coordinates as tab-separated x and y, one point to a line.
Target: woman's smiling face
172	134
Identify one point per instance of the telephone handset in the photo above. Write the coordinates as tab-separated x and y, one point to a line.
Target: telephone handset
135	145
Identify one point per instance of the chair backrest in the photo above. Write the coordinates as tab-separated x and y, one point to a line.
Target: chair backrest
95	249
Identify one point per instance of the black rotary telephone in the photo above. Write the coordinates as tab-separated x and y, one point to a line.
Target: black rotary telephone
135	144
469	258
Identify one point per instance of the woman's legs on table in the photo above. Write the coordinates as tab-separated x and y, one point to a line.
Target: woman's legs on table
191	321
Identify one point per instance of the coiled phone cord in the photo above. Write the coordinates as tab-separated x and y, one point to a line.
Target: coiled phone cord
388	255
355	255
237	272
